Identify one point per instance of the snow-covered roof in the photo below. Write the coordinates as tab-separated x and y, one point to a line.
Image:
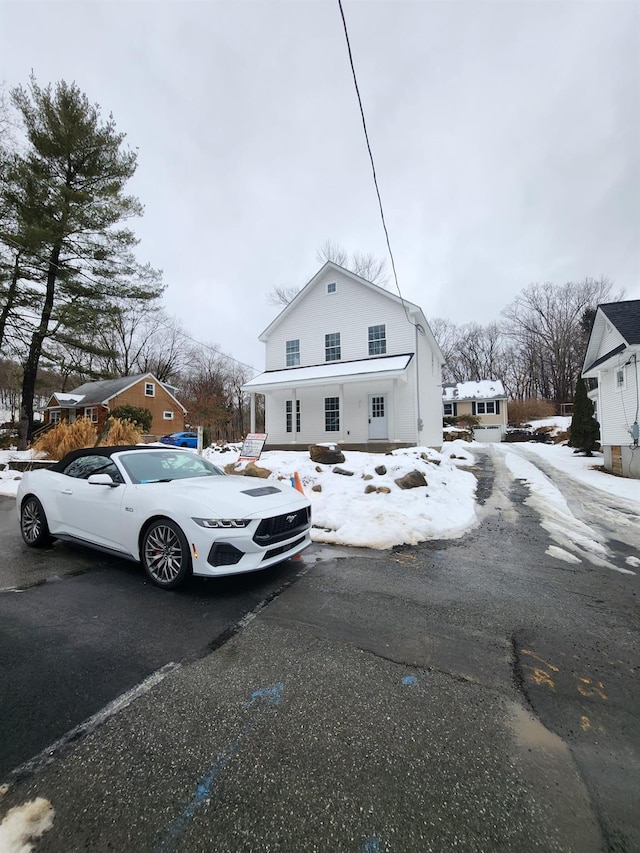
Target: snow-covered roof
344	371
68	398
485	389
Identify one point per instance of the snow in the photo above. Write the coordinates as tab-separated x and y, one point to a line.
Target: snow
338	369
485	389
343	514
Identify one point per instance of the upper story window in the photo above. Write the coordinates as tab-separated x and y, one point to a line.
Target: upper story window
377	340
332	347
620	383
332	287
149	389
293	353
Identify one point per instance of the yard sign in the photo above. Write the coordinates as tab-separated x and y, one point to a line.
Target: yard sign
252	445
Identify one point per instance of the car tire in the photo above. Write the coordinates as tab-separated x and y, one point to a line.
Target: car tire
184	444
164	554
33	523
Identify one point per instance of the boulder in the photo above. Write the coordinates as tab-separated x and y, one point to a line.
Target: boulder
325	455
381	470
316	488
412	480
252	470
343	471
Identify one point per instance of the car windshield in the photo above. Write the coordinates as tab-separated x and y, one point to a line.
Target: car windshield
155	466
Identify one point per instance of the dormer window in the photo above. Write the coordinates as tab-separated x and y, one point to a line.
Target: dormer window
332	287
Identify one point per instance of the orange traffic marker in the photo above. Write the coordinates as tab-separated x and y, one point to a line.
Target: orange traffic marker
296	483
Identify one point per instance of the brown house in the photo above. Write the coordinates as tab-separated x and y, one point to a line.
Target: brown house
95	400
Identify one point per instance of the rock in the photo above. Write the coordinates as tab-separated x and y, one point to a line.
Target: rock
252	470
383	490
369	490
343	471
316	488
325	455
367	476
319	469
412	480
381	470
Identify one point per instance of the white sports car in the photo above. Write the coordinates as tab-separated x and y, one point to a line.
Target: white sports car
169	509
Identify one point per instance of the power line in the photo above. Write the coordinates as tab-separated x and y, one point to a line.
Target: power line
373	166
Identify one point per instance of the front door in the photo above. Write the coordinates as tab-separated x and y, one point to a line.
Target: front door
378	416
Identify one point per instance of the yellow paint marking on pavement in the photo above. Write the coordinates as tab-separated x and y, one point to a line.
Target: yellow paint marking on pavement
542	660
585	724
541	677
589	688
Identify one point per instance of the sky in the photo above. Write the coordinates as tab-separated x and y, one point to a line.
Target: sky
505	134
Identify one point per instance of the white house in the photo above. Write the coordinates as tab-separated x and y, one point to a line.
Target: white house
485	399
612	359
350	363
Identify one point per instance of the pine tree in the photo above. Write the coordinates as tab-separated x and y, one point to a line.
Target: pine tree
66	202
585	429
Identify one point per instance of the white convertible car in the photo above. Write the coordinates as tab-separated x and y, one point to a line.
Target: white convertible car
169	509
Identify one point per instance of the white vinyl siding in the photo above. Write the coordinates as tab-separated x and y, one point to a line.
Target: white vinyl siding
617	407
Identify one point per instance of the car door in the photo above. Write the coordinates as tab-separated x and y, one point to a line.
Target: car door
88	511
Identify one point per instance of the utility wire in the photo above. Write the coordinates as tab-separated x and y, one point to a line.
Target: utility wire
373	165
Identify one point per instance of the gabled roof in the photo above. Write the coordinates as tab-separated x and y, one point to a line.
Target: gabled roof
484	389
625	318
102	391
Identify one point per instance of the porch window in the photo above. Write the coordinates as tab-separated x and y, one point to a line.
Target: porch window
377	340
332	347
289	415
91	412
167	416
149	389
293	353
332	414
54	416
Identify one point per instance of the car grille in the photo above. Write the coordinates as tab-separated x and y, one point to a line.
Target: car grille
282	549
224	554
280	527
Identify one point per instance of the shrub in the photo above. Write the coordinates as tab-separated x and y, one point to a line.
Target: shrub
121	431
61	439
533	409
585	429
138	415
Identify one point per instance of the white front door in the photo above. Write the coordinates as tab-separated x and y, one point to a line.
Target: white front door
378	416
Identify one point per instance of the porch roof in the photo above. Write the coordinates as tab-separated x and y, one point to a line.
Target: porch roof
383	367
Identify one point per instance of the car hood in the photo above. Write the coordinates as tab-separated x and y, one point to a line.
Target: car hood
228	496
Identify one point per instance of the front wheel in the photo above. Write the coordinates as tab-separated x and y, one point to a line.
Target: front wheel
164	553
33	523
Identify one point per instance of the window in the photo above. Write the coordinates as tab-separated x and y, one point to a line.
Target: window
289	415
149	389
54	416
167	416
91	412
293	353
331	414
332	347
450	409
491	407
83	467
332	287
377	340
620	383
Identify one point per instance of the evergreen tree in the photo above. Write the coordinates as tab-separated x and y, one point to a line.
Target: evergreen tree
64	205
585	429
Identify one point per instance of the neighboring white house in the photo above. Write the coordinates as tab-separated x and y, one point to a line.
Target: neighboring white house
349	363
485	399
612	359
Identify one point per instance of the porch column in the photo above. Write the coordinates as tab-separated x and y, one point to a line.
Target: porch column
342	411
252	399
391	410
294	419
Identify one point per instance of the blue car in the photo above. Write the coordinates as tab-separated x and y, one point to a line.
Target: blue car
181	439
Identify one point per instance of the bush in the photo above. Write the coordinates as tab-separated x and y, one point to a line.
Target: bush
121	431
533	409
61	439
138	415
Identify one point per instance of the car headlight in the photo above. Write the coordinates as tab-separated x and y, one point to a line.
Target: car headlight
222	522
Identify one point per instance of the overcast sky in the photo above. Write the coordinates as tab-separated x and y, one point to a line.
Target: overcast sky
506	137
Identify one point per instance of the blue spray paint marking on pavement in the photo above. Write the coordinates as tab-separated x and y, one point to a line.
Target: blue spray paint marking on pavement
371	845
410	679
273	697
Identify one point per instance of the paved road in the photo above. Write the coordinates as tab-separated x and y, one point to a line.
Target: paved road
476	695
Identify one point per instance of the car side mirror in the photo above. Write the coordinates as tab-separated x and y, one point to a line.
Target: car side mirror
101	480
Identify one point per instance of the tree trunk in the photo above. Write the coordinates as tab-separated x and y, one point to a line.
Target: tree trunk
11	295
35	351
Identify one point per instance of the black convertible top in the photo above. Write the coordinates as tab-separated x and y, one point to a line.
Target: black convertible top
106	451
